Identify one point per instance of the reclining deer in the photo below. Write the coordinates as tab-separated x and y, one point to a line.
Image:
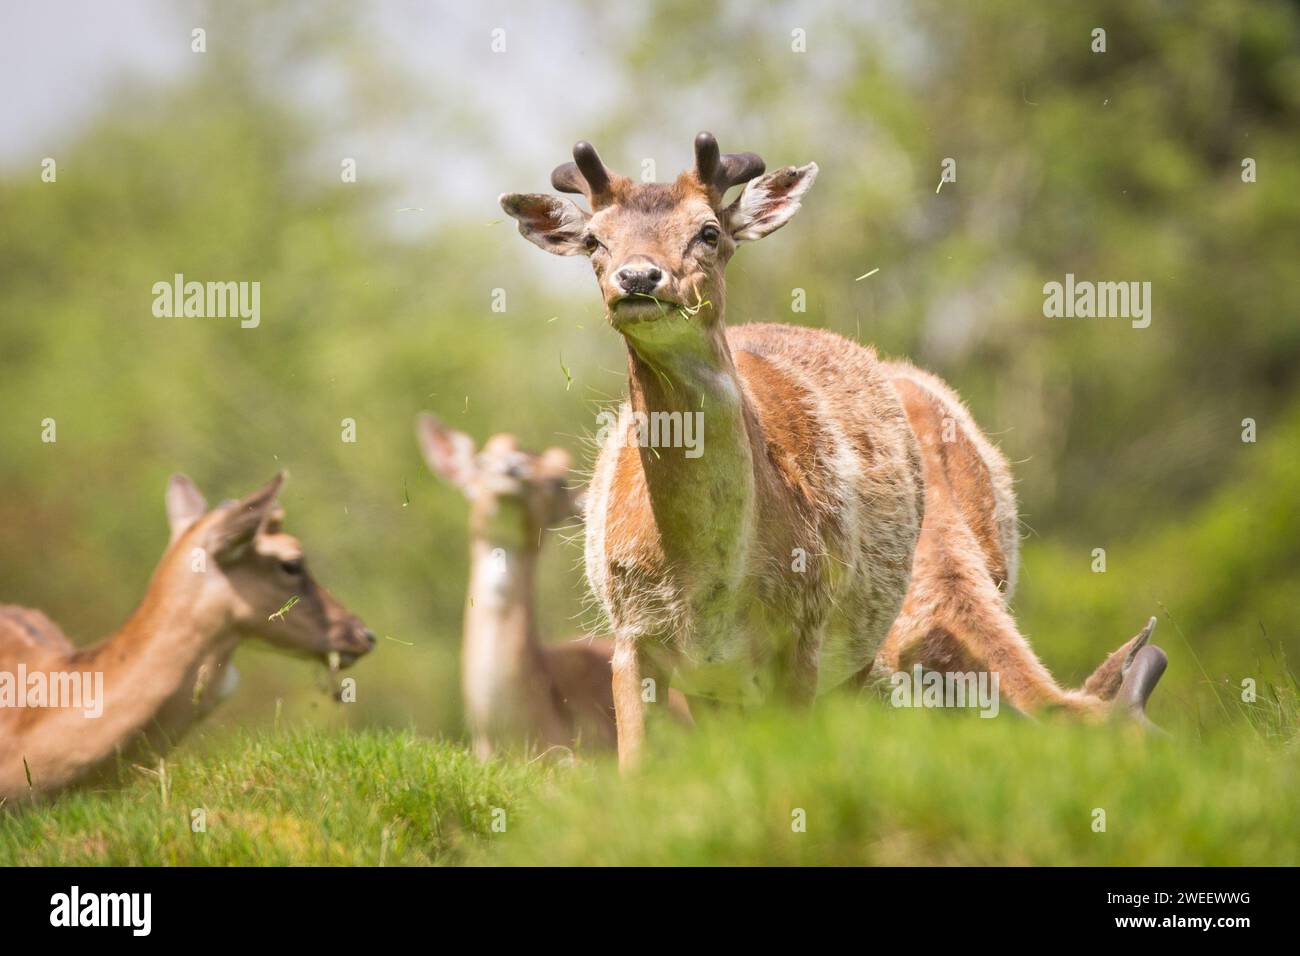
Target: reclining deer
813	447
518	690
226	574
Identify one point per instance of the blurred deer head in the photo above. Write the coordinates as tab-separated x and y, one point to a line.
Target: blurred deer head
514	495
255	575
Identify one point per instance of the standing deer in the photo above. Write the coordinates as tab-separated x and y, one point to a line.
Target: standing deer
827	529
517	689
226	574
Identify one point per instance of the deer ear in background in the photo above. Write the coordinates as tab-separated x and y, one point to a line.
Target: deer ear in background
553	466
448	453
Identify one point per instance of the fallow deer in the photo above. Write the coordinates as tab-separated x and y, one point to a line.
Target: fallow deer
226	574
827	529
518	690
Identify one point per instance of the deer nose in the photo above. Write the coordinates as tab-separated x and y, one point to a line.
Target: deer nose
369	637
640	278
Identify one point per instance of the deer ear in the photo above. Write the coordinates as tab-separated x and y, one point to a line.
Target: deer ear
185	505
769	202
233	532
549	222
448	453
568	500
555	463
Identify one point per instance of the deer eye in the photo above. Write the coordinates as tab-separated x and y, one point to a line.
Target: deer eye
591	242
293	567
710	234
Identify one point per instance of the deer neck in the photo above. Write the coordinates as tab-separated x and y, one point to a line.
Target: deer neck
208	682
502	668
702	498
149	663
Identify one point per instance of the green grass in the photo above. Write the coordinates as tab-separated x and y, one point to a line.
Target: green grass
321	798
876	786
908	787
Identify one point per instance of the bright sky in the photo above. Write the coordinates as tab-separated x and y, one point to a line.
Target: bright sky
59	58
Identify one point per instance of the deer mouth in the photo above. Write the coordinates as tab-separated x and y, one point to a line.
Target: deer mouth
631	309
348	648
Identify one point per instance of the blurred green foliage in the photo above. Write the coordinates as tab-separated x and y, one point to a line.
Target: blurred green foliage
1117	166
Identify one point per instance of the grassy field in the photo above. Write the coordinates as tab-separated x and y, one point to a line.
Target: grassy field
851	783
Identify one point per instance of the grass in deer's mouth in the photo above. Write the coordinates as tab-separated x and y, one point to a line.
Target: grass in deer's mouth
875	786
640	303
665	307
637	300
694	310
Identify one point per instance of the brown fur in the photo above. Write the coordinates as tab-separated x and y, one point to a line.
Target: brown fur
833	470
161	667
813	446
519	690
955	617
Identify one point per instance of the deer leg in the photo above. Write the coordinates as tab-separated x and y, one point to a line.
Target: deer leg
954	618
632	666
629	709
